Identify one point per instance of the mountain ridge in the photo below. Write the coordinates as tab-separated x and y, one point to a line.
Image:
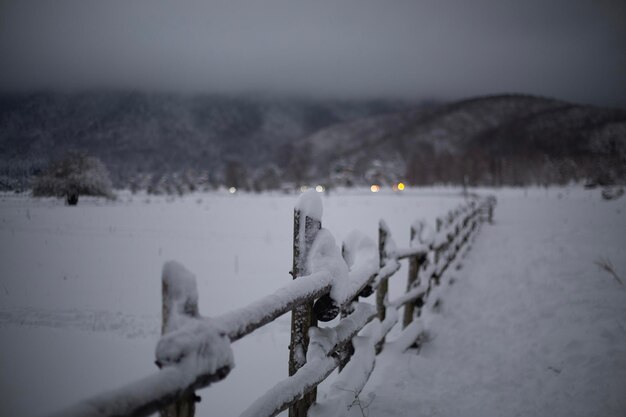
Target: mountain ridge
500	139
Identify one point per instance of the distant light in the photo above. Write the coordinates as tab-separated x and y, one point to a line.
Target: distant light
232	190
375	188
303	188
319	188
400	186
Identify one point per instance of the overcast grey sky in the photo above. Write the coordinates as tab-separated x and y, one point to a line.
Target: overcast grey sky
443	49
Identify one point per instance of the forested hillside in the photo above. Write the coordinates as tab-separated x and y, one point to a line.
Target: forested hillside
497	140
159	141
147	137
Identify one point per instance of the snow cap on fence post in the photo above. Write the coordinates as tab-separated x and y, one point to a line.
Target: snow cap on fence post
180	296
310	205
324	255
194	346
424	234
180	303
307	220
359	247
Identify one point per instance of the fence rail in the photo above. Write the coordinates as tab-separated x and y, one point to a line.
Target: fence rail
194	352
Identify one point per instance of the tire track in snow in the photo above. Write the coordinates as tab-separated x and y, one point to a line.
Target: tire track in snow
121	324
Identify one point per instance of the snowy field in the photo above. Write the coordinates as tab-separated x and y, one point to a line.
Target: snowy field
80	293
532	326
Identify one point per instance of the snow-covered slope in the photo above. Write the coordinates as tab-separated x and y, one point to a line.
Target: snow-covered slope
531	327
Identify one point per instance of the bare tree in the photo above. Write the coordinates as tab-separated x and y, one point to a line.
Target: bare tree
74	174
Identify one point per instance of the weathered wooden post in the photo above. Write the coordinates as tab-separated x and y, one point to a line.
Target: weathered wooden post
383	285
348	350
438	249
306	223
180	302
412	280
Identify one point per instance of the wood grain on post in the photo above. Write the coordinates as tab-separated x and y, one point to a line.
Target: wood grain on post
383	286
345	353
413	279
301	317
438	250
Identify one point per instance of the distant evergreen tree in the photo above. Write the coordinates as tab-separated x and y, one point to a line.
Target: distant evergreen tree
267	178
74	174
236	175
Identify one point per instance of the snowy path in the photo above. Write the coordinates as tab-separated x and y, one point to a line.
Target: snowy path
531	327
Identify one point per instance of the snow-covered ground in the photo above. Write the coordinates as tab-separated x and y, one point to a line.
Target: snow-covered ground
531	327
80	292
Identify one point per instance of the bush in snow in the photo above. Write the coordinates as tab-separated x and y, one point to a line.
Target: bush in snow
72	175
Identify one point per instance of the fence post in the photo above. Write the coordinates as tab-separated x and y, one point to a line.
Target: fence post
383	286
413	279
305	230
180	298
438	226
348	350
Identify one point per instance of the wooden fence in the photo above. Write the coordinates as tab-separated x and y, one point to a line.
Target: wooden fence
194	352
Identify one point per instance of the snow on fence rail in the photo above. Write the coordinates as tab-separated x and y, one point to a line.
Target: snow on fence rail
194	352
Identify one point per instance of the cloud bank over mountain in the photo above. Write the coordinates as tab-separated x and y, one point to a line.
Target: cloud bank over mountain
570	50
